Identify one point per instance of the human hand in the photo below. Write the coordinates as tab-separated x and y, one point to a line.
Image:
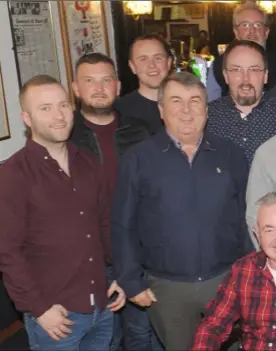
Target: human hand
55	322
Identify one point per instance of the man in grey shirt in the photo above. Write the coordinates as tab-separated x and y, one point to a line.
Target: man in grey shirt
262	180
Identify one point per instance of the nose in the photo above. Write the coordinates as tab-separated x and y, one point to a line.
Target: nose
99	86
152	62
246	76
252	29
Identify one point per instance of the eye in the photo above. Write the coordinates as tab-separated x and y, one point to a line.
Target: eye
65	105
107	79
175	100
235	70
45	108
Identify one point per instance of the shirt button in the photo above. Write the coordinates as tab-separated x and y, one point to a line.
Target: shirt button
90	259
270	344
200	279
92	282
60	170
88	236
74	189
81	213
45	157
244	139
274	327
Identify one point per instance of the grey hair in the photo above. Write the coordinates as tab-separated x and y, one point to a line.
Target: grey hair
249	6
184	78
267	200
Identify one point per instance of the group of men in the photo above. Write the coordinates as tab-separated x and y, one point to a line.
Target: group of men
120	220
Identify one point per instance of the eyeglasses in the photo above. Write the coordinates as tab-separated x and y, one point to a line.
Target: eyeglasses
251	70
248	25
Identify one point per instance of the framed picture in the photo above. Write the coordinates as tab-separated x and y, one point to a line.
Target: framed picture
84	30
34	39
4	122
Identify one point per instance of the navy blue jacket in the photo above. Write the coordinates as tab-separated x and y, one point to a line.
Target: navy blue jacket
176	220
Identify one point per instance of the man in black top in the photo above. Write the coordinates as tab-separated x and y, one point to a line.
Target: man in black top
99	129
150	59
250	22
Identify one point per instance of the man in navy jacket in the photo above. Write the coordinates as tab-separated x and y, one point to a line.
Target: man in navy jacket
179	214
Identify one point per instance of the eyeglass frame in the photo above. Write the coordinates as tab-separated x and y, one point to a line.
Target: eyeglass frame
250	70
252	24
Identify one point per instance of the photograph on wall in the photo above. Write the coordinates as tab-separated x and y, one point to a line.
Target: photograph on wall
84	31
4	122
34	40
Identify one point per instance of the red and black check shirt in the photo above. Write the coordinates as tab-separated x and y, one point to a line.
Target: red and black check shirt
248	293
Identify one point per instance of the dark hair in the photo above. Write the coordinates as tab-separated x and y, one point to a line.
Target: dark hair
93	58
204	32
42	79
186	79
152	36
247	44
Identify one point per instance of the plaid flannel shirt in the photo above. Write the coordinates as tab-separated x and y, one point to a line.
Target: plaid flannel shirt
248	293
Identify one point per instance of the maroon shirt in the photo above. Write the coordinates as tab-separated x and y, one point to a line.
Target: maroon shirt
54	230
105	135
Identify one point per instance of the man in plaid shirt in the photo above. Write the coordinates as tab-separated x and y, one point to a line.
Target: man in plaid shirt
248	293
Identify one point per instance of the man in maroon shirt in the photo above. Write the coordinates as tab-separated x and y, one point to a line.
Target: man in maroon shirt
99	129
54	236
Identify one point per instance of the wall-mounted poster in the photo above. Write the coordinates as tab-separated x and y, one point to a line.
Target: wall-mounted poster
34	40
83	26
4	123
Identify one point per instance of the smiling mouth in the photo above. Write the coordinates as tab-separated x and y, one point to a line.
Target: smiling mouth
153	74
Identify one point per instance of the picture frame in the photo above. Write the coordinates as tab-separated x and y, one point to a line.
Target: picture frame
4	121
83	30
34	41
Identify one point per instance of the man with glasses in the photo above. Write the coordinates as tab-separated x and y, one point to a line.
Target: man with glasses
247	115
250	22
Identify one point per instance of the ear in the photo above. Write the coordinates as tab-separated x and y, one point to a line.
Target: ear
25	118
170	60
132	67
236	33
266	77
75	88
119	85
256	234
225	76
267	33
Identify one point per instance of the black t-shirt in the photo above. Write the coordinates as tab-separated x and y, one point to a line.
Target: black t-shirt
136	105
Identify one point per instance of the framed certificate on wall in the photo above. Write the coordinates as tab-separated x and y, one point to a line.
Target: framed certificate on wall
83	28
34	39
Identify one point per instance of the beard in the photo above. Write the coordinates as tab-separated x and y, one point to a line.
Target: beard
247	100
95	110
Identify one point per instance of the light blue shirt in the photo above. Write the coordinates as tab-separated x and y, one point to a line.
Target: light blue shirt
213	88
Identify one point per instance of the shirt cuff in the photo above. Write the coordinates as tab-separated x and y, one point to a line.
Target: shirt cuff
134	288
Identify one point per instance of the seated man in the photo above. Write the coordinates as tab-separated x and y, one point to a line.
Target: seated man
247	293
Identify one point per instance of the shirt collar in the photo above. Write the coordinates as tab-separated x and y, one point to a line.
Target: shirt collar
178	144
41	154
165	141
262	260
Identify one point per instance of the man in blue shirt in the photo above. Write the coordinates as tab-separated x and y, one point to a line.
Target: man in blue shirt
178	222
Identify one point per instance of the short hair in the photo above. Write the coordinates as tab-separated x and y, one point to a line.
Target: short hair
249	6
247	44
94	58
152	36
267	200
42	79
186	79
